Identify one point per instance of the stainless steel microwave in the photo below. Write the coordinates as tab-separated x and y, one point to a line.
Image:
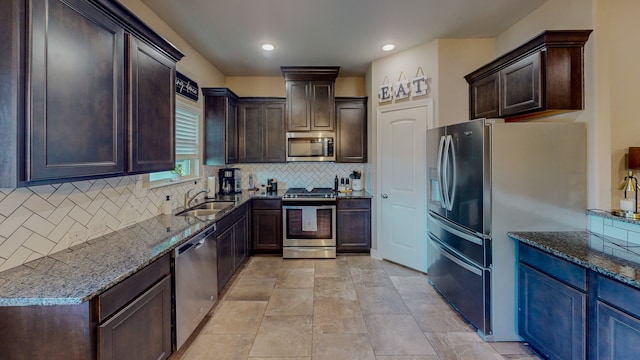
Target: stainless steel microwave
310	146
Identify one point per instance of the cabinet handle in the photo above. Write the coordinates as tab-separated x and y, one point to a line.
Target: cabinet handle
384	196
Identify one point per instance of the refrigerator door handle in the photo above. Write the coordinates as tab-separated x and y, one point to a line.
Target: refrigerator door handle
443	203
458	262
445	172
461	234
454	172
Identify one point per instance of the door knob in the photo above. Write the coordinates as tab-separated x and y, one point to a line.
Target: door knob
384	196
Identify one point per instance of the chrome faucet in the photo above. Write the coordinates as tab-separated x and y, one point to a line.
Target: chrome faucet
188	200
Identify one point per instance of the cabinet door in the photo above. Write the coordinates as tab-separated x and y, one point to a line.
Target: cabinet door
274	133
240	250
351	134
250	132
618	333
353	225
298	107
152	101
230	138
484	95
520	86
76	92
551	315
322	106
225	257
267	231
142	330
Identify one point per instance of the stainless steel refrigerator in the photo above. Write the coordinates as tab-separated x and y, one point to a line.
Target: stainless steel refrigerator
486	178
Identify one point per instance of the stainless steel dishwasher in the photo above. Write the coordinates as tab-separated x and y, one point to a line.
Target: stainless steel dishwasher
196	282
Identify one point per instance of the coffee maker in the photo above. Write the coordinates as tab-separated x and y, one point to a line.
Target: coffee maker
230	181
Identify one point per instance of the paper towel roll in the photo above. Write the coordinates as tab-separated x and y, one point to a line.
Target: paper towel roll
211	185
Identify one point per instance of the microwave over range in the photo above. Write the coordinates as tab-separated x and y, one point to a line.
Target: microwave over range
310	146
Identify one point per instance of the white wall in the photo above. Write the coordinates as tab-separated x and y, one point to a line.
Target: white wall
444	62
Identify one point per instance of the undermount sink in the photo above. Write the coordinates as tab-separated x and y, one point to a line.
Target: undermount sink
207	209
214	205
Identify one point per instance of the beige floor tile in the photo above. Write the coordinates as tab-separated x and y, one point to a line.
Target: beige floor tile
219	347
335	288
394	269
370	277
397	335
290	302
342	347
437	318
364	262
282	358
408	357
332	269
266	267
283	336
511	348
299	263
336	316
295	278
236	317
413	287
251	288
462	346
381	301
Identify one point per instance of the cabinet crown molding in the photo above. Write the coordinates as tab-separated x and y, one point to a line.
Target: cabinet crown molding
319	73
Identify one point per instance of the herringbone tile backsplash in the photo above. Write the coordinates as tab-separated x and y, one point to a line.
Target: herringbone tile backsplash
37	221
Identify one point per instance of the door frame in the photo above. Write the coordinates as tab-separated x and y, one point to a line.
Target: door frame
377	199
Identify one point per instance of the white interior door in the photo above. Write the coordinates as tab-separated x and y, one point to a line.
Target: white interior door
402	174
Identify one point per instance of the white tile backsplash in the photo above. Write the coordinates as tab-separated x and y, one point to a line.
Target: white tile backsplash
40	220
37	221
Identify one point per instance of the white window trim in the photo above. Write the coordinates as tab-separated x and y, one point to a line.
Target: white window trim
196	169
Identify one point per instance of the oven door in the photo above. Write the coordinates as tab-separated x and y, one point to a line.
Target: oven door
309	225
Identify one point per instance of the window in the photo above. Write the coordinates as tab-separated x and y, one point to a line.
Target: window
187	147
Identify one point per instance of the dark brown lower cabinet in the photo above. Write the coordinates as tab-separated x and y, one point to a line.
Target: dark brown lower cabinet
142	330
232	244
353	225
132	320
266	226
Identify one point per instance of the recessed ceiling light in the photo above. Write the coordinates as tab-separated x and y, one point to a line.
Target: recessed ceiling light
388	47
268	47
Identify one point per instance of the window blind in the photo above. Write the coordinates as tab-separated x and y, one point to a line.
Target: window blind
186	132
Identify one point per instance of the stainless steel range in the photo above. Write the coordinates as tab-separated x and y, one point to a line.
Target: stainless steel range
309	223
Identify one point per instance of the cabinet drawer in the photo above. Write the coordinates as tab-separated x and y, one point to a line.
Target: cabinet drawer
231	218
619	295
259	204
121	294
554	266
354	204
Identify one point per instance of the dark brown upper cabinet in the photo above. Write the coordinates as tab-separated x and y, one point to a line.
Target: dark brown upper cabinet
152	101
540	78
310	97
351	129
64	109
220	126
261	130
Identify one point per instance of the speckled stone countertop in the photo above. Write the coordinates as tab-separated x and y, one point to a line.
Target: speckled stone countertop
78	274
587	249
609	215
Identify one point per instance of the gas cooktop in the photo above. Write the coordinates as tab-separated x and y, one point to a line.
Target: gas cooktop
309	193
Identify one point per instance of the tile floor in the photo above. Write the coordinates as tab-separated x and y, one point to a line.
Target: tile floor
353	307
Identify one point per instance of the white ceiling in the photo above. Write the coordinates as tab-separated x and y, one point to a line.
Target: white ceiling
345	33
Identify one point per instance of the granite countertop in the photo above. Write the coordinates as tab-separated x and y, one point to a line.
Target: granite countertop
77	274
590	250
